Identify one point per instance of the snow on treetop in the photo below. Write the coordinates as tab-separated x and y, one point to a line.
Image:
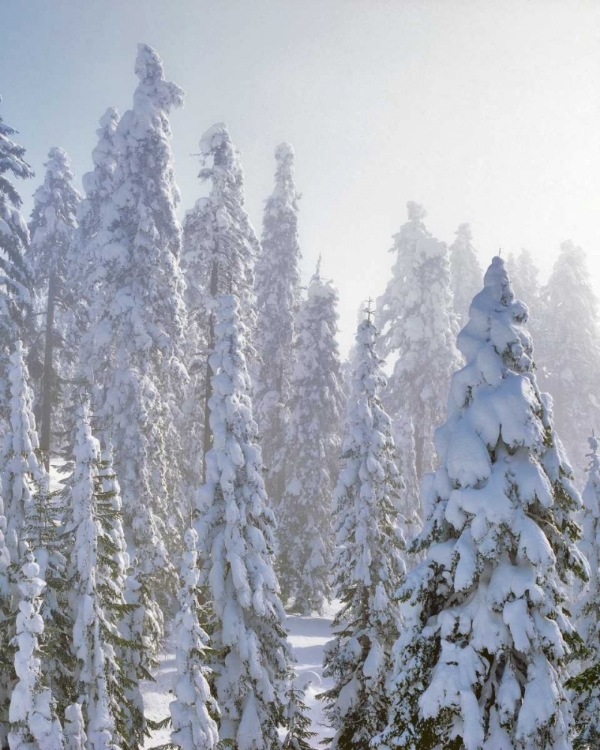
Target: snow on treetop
464	232
284	152
149	69
110	119
214	138
416	211
148	64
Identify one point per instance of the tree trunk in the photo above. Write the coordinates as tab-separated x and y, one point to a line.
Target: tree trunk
48	375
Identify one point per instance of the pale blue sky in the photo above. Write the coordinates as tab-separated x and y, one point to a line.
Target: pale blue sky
486	111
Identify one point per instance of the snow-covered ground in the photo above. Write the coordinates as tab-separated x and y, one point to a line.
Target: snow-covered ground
308	635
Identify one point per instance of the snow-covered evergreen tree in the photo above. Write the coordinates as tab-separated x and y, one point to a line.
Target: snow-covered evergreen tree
524	277
298	734
569	358
194	710
22	475
32	715
134	347
585	685
418	327
98	560
367	567
219	251
74	730
278	299
52	228
235	529
480	662
305	542
16	282
466	272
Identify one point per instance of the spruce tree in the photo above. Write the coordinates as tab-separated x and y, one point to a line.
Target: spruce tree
98	571
133	351
418	328
585	685
569	358
298	734
74	731
235	529
194	711
16	318
33	517
480	661
32	713
219	252
278	300
367	567
466	272
305	542
52	229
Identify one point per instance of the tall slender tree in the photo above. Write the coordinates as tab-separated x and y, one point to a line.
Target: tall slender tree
466	272
194	710
16	283
98	563
235	538
278	301
569	357
480	661
137	317
416	318
585	685
368	565
52	229
312	452
220	249
32	714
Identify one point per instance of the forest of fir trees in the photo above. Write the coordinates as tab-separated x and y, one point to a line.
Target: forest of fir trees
185	457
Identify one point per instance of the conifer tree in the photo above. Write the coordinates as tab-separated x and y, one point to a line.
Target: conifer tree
16	319
52	228
305	542
278	300
418	328
367	566
235	537
298	733
480	661
585	685
194	711
219	251
137	318
98	562
466	272
74	731
33	516
569	358
32	714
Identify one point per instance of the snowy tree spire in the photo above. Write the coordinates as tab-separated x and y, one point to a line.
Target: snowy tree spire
52	228
137	319
466	272
368	566
34	725
480	661
311	452
219	252
16	282
569	358
585	686
194	710
278	300
418	327
235	530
